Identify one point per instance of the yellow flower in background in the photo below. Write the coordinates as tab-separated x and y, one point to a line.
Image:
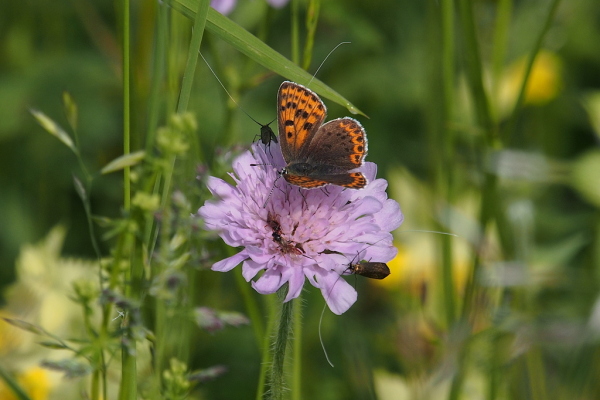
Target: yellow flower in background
44	284
35	382
418	261
41	295
544	84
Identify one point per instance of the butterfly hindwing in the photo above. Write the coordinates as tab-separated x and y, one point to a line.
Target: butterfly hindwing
341	142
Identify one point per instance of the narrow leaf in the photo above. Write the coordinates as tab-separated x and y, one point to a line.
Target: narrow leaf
70	110
233	318
71	368
53	128
80	189
53	345
26	326
260	52
207	374
123	161
190	67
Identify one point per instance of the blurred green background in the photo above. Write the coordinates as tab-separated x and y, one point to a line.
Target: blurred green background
540	262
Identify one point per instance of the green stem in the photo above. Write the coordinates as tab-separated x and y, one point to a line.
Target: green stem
534	51
295	34
503	14
252	309
312	17
448	147
192	59
128	389
158	72
126	105
297	350
535	369
280	344
474	74
270	302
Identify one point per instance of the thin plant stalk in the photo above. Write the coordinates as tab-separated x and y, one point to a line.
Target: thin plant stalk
192	59
295	34
534	52
312	18
296	383
447	142
128	389
280	343
270	302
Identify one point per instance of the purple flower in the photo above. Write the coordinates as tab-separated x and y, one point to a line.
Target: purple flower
223	6
227	6
299	234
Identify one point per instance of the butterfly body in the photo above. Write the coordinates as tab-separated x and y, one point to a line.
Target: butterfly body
318	154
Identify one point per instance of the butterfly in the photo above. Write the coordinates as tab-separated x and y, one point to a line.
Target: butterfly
318	154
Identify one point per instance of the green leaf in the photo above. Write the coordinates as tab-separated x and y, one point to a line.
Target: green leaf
585	176
70	110
80	189
54	129
26	326
258	51
123	161
53	345
70	367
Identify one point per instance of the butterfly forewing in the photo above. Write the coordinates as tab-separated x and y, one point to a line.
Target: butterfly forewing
301	113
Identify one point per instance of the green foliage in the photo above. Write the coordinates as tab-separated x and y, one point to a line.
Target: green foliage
484	117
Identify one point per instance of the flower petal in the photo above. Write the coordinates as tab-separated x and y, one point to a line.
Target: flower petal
230	263
269	282
339	294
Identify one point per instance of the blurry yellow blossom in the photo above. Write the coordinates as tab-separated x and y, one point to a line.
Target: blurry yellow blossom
418	261
35	382
418	264
544	84
391	386
42	295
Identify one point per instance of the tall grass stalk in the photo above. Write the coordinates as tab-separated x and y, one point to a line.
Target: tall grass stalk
128	389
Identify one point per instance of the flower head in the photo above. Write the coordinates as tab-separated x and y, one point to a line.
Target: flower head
292	234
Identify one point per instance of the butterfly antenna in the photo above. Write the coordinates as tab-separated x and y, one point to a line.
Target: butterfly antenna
228	94
323	62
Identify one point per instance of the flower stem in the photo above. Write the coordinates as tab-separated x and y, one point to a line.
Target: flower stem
280	343
297	353
271	306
